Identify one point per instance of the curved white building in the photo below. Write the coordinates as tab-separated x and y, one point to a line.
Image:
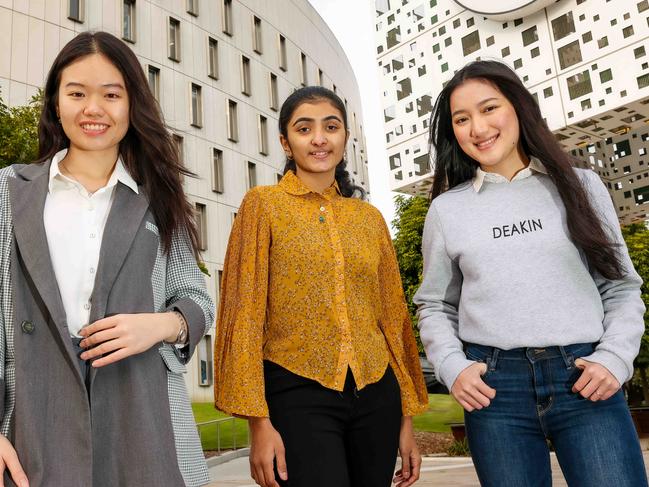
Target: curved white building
220	69
584	60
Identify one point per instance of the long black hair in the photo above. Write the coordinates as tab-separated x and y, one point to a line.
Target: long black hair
453	166
313	94
148	150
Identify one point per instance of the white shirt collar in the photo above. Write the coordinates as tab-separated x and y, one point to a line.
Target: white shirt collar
119	174
535	166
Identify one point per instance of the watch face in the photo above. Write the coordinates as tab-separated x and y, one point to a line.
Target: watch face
504	9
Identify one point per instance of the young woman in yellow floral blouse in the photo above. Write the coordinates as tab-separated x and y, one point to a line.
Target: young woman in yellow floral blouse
314	343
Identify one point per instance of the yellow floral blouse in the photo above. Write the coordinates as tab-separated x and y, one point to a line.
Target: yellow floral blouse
311	283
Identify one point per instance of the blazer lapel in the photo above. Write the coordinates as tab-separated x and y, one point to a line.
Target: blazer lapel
124	220
27	194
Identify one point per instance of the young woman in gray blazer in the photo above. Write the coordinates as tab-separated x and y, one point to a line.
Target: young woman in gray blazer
101	299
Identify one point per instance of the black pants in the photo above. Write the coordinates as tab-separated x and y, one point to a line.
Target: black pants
335	439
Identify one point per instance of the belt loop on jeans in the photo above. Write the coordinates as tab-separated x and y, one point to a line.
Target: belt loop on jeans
492	359
568	360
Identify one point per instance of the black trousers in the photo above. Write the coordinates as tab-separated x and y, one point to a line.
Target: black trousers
335	439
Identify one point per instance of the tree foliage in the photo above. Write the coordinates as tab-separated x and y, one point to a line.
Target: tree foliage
637	241
409	228
19	131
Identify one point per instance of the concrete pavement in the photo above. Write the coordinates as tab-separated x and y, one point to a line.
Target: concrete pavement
435	472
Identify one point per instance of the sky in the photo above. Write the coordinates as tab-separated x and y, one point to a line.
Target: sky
352	22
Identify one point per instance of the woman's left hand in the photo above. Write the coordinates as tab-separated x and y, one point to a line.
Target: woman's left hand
408	474
121	336
596	382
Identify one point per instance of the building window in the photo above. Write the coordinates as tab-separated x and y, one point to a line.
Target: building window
547	92
642	6
518	63
256	34
404	88
536	52
233	123
273	92
205	353
252	175
217	170
201	225
154	81
263	135
76	10
303	75
505	51
605	76
394	37
192	7
227	17
490	41
470	42
569	54
563	26
530	36
197	106
282	52
603	42
627	31
213	58
643	81
179	142
319	77
174	39
638	52
245	75
128	20
579	85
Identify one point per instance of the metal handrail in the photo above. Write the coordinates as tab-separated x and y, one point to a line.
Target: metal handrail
218	423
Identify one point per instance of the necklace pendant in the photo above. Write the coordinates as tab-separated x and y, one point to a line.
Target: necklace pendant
322	219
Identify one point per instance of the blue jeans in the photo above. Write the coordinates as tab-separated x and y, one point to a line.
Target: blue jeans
595	442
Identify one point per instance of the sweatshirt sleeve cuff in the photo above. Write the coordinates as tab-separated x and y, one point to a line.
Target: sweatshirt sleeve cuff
612	362
451	367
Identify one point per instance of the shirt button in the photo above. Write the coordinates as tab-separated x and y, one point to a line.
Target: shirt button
92	270
86	306
92	235
27	327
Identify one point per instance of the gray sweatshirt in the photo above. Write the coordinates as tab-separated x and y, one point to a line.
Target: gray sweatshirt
501	270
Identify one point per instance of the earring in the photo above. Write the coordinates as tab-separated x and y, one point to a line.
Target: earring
289	156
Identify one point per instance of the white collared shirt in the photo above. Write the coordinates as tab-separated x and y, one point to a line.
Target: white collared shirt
535	166
74	224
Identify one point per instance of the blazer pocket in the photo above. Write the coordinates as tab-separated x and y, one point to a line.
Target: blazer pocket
171	360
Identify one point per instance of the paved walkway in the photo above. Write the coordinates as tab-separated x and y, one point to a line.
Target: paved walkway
436	471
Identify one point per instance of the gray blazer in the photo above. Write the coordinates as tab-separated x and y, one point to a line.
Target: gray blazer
134	426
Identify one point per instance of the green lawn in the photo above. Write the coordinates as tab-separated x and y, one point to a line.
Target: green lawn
204	411
442	409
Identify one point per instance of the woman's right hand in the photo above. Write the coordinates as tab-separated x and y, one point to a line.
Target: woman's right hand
470	390
9	460
266	445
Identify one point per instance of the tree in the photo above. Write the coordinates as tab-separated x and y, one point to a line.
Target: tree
636	237
19	131
409	228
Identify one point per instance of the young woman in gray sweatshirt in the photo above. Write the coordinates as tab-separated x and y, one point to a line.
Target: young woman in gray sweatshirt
530	308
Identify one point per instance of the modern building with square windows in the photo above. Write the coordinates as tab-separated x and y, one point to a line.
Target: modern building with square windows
585	61
220	70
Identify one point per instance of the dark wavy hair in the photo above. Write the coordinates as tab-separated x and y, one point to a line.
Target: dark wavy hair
453	166
313	94
148	150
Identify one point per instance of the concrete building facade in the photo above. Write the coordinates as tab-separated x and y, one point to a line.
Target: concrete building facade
585	61
220	70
